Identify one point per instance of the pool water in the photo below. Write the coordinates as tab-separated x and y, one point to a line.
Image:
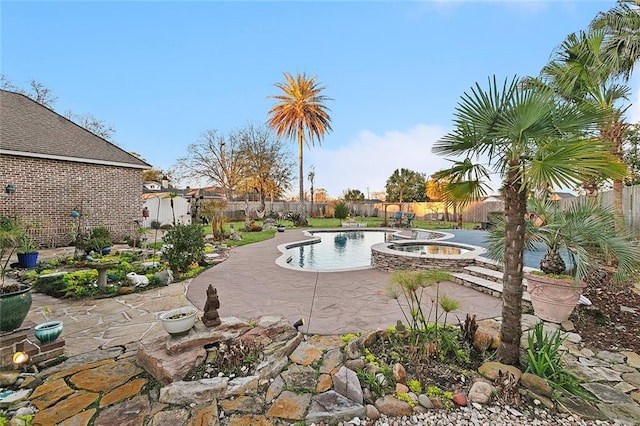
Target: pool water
337	250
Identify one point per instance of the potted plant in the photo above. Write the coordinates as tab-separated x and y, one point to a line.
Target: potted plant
27	252
584	237
178	321
99	241
15	299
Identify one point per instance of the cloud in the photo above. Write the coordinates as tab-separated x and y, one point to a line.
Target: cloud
367	161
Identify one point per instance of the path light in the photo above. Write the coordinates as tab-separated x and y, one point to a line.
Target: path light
298	324
20	360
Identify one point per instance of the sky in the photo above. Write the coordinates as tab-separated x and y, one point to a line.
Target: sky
162	72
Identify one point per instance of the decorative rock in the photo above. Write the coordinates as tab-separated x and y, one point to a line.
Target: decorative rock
633	378
243	404
207	415
243	386
354	364
164	277
459	399
324	383
290	406
8	378
249	419
491	369
331	360
346	383
400	388
170	417
199	392
81	418
625	387
624	413
130	412
608	374
567	326
611	357
300	376
482	340
393	407
50	393
354	349
370	337
633	359
424	401
607	394
332	407
480	392
274	389
371	412
166	368
305	354
536	384
399	373
15	397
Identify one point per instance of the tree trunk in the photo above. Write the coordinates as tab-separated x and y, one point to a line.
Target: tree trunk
515	206
614	134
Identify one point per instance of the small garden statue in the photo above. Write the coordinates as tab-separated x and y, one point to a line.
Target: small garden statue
211	318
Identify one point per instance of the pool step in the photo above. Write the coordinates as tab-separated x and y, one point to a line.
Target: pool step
487	281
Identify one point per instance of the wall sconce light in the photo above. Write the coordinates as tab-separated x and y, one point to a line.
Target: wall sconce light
20	360
298	324
10	188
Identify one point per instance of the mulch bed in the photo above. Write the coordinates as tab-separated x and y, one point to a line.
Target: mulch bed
612	322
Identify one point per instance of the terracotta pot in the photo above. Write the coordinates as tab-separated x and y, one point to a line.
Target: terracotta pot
553	299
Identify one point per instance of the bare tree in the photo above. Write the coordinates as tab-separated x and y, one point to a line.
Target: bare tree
92	124
214	158
268	166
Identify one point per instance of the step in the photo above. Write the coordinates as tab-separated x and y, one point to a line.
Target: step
486	273
486	286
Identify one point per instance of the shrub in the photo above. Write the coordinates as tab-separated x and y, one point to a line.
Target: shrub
184	246
341	210
99	238
155	224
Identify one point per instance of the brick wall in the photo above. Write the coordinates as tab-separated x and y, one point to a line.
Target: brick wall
48	190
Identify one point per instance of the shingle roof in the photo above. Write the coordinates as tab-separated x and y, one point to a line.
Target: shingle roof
30	129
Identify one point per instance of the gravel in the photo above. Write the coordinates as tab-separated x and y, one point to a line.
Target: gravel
486	416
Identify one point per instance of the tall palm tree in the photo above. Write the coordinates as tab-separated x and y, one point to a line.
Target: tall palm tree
580	74
300	112
622	27
531	139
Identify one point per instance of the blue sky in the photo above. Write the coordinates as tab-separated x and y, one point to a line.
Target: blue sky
164	72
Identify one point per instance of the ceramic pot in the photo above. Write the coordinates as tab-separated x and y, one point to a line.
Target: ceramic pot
27	260
106	250
553	299
178	321
48	332
14	308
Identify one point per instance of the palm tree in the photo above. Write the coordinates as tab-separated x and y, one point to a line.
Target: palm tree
300	112
531	139
579	73
622	27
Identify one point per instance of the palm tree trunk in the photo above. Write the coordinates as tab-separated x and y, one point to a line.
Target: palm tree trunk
515	206
300	167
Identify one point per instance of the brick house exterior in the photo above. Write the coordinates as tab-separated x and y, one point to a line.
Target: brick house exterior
56	167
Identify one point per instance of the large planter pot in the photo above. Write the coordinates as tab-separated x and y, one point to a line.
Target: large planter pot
14	308
178	321
27	260
48	332
553	299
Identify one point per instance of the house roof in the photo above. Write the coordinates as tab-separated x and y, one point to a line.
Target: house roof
29	129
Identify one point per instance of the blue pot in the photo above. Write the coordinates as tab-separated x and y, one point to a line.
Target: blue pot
106	250
48	332
27	260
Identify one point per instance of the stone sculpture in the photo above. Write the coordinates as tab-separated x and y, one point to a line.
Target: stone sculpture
211	318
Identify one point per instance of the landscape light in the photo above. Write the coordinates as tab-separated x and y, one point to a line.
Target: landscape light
298	324
20	359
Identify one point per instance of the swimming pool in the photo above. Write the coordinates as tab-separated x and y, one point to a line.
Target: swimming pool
335	250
